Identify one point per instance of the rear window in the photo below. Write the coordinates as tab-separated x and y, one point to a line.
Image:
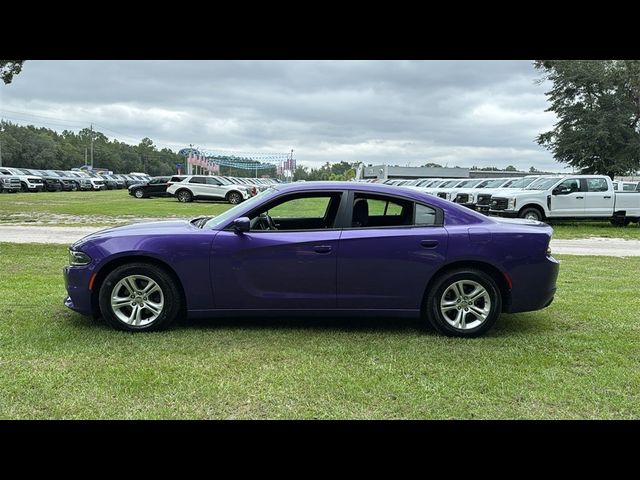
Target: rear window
597	185
425	215
198	180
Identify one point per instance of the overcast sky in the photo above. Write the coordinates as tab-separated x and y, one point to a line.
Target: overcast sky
397	112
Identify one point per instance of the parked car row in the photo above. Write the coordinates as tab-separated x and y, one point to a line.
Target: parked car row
35	180
187	188
539	197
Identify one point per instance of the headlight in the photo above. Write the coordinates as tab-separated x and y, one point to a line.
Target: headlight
471	197
511	204
78	258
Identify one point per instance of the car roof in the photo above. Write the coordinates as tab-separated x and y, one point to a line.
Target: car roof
380	188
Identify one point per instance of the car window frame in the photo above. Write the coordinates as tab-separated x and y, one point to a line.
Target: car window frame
339	214
349	211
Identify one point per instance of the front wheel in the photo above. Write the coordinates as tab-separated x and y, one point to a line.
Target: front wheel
139	297
463	303
138	193
531	213
234	198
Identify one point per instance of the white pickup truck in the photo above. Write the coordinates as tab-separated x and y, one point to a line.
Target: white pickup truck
569	196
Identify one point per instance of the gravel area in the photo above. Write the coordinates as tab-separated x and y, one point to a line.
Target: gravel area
612	247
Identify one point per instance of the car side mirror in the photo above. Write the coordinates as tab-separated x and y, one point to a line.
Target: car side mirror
241	225
561	190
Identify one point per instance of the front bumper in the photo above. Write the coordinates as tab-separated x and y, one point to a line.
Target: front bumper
35	187
504	213
76	282
472	206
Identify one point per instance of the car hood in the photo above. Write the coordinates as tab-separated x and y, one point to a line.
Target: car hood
173	227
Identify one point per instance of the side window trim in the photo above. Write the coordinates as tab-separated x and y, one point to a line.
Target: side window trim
337	225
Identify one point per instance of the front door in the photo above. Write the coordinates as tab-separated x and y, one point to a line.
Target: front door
287	261
570	204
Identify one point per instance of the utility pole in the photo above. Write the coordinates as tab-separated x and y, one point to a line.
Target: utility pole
85	156
92	146
0	153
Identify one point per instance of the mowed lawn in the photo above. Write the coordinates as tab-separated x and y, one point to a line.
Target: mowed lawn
578	359
116	207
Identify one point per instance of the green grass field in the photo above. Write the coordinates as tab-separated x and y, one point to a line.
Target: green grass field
579	358
118	207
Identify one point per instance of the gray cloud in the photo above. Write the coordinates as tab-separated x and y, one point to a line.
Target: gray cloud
456	112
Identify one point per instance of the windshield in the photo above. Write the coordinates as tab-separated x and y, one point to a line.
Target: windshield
450	183
495	183
520	182
229	214
543	183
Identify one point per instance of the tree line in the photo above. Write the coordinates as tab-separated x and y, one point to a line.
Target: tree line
43	148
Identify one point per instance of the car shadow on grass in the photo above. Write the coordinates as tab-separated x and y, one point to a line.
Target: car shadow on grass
307	323
507	325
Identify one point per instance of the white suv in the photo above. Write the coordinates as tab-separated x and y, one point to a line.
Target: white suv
203	186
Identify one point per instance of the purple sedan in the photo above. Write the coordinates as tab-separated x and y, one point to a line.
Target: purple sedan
318	248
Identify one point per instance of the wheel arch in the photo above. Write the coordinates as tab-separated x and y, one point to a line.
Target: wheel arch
111	265
537	206
488	268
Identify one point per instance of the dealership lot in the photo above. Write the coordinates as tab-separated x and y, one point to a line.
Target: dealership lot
576	359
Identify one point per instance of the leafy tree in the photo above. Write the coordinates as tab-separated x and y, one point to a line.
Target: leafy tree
598	108
9	68
511	168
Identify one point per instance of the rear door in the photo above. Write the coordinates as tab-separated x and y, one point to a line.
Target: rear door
599	199
388	252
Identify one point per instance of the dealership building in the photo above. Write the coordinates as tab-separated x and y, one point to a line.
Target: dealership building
385	172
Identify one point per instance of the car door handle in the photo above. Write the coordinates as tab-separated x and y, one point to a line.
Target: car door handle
608	196
429	243
579	198
322	248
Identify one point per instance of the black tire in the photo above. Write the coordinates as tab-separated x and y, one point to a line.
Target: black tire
234	198
138	193
172	298
532	213
440	288
184	196
23	187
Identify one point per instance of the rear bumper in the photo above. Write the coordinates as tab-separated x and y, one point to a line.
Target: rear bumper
534	285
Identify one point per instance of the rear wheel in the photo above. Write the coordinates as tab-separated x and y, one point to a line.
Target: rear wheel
463	303
234	198
531	213
138	193
139	297
184	196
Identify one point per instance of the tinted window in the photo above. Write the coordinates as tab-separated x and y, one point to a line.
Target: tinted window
425	215
596	185
197	180
628	187
309	207
371	210
572	184
212	181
